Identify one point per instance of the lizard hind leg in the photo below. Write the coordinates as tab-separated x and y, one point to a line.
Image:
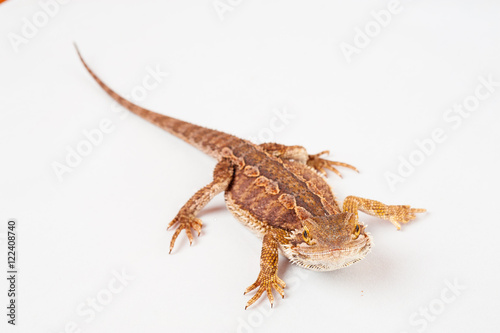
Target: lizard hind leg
186	217
321	164
300	155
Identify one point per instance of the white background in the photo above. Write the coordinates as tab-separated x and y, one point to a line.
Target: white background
232	70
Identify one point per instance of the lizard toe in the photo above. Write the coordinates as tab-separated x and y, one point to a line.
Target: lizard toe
266	284
185	222
320	164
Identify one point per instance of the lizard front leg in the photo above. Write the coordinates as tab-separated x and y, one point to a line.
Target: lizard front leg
394	213
186	218
300	154
268	276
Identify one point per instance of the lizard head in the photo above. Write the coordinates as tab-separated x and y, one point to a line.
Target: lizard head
328	242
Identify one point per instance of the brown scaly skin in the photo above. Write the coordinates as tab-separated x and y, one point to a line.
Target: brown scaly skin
278	192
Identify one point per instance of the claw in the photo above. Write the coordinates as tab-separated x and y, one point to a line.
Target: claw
267	285
403	214
270	295
320	164
279	290
197	226
329	167
185	222
255	297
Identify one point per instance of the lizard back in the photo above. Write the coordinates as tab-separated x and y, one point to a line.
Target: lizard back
270	192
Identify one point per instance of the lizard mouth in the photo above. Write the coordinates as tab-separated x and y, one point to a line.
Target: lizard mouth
359	245
327	258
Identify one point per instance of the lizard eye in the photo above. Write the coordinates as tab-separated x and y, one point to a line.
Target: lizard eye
357	231
306	236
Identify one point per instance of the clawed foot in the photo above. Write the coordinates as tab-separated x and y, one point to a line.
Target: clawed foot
185	222
320	164
266	283
403	214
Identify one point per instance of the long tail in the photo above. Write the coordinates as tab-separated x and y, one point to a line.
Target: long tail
207	140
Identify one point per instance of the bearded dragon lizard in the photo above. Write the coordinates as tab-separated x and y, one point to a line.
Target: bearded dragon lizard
280	193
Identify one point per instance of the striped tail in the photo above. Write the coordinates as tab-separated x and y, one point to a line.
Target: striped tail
207	140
